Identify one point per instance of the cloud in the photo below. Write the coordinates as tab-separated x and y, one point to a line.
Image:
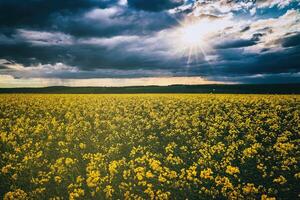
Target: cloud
235	43
105	14
60	70
113	21
110	42
261	78
44	38
29	12
222	7
154	5
132	39
291	40
272	3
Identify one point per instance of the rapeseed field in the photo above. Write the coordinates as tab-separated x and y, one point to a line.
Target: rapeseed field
158	146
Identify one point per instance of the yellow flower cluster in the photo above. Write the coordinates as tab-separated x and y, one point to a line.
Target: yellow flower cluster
93	178
206	174
250	188
232	170
16	194
280	180
150	146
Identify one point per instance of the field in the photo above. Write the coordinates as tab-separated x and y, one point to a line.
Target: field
155	146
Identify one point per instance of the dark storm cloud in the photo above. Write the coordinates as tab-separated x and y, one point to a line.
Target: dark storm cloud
236	63
25	54
124	22
77	20
37	12
260	78
154	5
69	16
291	41
83	56
3	67
107	38
235	44
245	29
238	43
284	61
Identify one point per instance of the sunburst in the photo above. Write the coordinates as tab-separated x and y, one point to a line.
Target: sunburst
193	37
190	40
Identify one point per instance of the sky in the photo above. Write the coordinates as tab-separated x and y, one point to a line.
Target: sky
143	42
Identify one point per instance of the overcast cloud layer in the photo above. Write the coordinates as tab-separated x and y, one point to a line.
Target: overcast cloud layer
242	41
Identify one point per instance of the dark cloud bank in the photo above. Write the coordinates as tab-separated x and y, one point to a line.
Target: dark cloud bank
120	36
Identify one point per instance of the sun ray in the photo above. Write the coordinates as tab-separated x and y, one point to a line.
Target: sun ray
192	38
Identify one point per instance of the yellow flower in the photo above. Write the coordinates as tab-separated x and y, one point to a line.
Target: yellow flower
139	176
6	169
172	174
17	194
149	174
150	192
78	192
206	173
162	195
140	172
155	165
265	197
161	179
250	188
82	146
57	179
79	179
113	167
297	175
108	191
191	172
232	170
93	178
39	154
126	174
69	161
14	176
280	180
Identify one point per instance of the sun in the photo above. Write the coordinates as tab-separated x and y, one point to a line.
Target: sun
190	39
191	35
